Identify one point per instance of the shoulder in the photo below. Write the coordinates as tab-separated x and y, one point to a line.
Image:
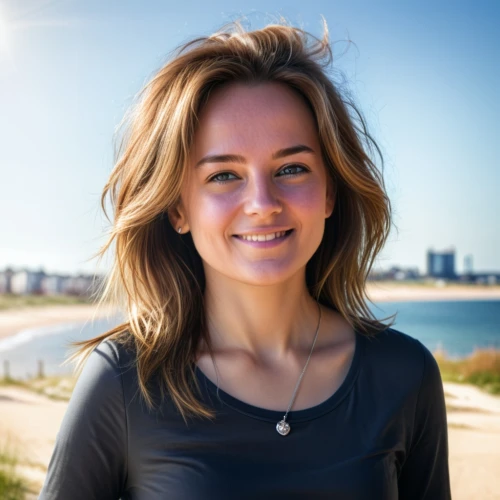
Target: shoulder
397	348
113	356
396	357
102	378
118	351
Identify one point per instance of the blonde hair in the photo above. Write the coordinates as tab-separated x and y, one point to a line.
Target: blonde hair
157	275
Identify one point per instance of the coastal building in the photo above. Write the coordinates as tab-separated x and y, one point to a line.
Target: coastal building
468	264
441	264
485	278
26	282
394	273
53	284
81	285
5	280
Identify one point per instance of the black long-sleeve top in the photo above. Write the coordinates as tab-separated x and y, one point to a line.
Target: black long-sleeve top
381	436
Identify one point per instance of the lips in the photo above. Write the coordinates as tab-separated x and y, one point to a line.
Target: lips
261	237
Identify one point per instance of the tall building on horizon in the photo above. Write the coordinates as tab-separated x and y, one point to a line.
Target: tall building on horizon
468	264
441	264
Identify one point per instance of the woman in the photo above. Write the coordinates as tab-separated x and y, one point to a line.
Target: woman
248	214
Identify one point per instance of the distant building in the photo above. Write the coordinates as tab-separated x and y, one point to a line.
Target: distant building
482	278
5	280
81	285
468	264
53	284
395	273
441	264
27	282
468	274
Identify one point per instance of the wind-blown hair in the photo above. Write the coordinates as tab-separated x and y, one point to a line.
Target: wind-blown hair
157	277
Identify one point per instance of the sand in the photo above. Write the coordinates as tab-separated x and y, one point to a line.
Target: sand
28	427
384	291
32	422
474	442
13	321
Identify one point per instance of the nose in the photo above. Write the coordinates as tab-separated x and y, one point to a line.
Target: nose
262	197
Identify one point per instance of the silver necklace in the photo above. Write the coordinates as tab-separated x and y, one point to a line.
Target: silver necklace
283	427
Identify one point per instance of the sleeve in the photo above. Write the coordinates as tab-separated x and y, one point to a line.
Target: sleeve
425	472
90	455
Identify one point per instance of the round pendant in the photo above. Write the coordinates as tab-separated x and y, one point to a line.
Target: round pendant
283	427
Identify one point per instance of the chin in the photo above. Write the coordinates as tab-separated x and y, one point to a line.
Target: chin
263	273
266	275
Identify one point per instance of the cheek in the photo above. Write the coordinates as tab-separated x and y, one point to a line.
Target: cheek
211	211
308	202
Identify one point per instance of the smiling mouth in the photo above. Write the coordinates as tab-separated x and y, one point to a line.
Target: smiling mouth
264	237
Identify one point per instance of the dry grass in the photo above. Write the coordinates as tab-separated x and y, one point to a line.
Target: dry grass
12	301
58	388
481	368
12	485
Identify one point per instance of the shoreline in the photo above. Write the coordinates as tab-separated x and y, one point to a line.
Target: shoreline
27	319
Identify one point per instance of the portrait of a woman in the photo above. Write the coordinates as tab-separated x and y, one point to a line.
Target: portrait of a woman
247	213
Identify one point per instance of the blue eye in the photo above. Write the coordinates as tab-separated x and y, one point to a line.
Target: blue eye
221	177
291	167
221	174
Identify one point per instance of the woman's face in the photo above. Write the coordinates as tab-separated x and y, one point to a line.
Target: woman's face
256	170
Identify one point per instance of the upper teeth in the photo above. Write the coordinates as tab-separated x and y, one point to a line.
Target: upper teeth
262	237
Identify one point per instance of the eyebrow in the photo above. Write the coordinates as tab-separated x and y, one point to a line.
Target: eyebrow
230	158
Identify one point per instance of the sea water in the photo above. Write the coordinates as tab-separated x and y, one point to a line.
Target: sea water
458	327
50	345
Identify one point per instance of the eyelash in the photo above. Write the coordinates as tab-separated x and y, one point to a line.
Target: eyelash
213	178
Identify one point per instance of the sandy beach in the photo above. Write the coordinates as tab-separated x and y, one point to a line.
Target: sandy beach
13	321
383	291
30	421
473	428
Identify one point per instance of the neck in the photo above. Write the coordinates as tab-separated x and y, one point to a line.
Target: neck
264	322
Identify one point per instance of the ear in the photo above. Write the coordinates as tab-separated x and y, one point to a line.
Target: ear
177	217
331	195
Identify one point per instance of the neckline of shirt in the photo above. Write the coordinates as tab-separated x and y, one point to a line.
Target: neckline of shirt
294	415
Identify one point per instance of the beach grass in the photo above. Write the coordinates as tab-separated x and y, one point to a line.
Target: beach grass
12	301
481	368
57	388
12	485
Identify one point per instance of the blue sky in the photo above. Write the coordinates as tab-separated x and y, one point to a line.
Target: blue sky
425	75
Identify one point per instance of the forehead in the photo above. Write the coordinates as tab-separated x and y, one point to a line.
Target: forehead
258	119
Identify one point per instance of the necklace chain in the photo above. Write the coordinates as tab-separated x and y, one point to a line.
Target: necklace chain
283	427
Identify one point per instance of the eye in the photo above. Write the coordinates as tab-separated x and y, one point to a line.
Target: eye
290	170
220	178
